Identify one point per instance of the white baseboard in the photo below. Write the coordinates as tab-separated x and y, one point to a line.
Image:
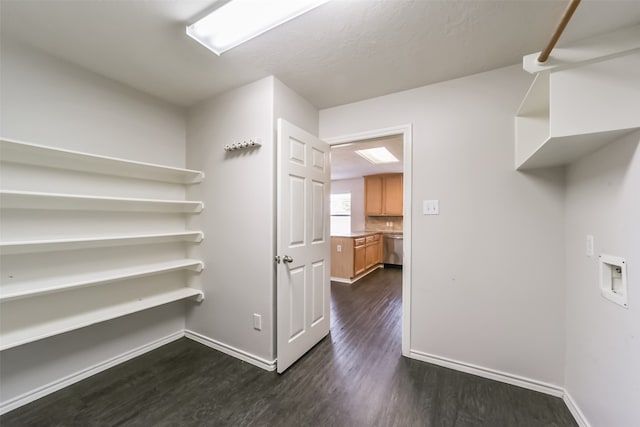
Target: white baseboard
355	279
491	374
232	351
575	410
56	385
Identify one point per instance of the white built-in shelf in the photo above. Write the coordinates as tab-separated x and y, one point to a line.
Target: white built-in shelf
561	150
36	200
32	154
48	245
14	288
16	337
586	96
536	147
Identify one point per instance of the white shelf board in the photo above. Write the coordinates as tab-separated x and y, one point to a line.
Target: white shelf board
12	291
17	337
560	150
33	154
32	246
10	199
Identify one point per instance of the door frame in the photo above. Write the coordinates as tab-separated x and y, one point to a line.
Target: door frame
407	139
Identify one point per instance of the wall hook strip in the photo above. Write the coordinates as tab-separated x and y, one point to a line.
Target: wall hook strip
251	143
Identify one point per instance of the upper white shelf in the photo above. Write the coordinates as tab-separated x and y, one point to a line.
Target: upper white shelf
10	338
32	154
571	111
47	245
37	200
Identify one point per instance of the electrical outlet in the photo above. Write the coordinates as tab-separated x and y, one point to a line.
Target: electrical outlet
339	248
257	322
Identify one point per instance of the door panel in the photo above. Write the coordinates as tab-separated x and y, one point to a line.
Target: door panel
318	284
318	208
296	300
303	281
296	210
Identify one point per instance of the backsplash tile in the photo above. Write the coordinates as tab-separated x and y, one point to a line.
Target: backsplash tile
383	223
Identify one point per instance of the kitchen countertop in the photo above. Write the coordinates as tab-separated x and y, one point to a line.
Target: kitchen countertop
365	233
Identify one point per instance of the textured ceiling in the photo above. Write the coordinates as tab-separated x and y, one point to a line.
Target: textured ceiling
345	163
342	52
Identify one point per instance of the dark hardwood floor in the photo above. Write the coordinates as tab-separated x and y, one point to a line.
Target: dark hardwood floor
354	377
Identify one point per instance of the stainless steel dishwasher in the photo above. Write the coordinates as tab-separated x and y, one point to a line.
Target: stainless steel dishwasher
392	248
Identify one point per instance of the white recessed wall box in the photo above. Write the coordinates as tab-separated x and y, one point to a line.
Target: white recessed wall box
613	279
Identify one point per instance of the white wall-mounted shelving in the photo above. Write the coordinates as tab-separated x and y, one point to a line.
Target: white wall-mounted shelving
33	154
566	113
46	245
38	200
12	289
64	279
19	336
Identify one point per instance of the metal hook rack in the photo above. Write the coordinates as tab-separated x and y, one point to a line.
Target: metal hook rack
251	143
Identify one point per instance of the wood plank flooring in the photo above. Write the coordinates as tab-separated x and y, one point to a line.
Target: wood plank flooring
354	377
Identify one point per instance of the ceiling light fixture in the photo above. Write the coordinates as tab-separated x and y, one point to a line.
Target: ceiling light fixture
238	21
377	155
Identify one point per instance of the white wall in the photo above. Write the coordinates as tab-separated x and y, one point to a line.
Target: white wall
292	107
488	272
50	102
238	196
239	190
603	339
355	186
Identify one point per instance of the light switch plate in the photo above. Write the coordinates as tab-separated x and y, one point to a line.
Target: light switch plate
257	322
589	248
431	207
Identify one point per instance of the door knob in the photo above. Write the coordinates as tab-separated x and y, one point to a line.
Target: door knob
287	259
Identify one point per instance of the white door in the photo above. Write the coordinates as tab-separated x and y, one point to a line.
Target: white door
303	243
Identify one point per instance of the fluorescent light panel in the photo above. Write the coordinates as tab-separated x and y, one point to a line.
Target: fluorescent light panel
377	155
241	20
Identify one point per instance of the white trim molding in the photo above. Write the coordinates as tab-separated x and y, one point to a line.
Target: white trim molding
575	410
61	383
491	374
358	277
407	138
267	365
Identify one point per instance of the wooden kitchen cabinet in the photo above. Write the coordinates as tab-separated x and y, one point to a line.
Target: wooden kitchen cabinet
373	195
383	194
359	259
353	256
372	252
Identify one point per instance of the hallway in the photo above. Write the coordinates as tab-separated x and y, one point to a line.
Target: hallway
354	377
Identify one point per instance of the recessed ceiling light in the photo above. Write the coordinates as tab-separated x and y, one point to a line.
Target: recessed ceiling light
241	20
377	155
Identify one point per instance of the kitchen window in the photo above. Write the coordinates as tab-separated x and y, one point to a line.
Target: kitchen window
340	213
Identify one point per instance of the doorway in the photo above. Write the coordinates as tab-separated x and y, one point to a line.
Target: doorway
399	135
